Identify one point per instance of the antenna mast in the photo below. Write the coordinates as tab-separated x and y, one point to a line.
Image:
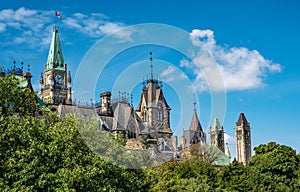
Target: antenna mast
151	66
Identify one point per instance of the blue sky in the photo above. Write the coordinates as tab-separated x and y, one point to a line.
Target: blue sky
254	43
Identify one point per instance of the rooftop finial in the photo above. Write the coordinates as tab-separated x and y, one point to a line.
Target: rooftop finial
151	66
14	65
28	67
195	103
22	63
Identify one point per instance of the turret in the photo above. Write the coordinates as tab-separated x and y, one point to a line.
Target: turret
217	135
227	151
41	79
243	140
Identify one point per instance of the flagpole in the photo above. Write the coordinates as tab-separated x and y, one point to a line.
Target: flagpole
55	20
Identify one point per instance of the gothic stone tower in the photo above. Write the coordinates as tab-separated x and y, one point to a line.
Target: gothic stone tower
153	107
55	83
217	135
243	140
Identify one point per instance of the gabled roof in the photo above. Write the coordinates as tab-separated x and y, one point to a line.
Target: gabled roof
55	56
195	124
152	85
242	120
216	125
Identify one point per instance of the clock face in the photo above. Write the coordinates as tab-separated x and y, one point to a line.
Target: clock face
59	79
49	78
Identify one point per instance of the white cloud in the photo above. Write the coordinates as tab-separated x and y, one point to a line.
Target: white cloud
238	67
35	26
229	139
171	74
96	25
2	27
168	71
19	40
28	25
115	29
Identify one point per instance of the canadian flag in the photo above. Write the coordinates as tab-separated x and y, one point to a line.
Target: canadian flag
57	14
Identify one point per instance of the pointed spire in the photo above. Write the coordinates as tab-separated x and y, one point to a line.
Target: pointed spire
227	151
242	120
216	125
55	56
195	124
69	80
41	79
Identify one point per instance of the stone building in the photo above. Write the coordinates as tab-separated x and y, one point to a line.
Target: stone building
217	135
243	140
150	120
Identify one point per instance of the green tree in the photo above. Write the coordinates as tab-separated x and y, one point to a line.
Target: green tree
274	168
234	177
15	99
189	175
48	154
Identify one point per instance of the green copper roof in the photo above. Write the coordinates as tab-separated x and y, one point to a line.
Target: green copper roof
221	159
55	57
216	125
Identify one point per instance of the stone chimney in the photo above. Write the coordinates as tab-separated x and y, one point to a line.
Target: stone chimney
105	103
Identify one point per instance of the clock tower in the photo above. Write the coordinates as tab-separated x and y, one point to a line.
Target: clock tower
55	83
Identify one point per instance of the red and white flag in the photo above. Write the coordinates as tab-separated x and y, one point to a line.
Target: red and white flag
57	14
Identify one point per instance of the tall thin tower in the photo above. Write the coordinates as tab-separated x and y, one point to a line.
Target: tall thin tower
243	140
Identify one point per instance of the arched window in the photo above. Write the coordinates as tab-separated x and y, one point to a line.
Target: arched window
145	116
131	131
160	112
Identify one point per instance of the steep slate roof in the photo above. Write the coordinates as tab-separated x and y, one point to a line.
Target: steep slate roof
242	120
63	110
55	55
195	124
216	125
123	116
158	95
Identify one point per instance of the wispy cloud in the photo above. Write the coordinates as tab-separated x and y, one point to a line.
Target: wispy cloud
229	139
239	67
96	25
171	74
33	27
25	26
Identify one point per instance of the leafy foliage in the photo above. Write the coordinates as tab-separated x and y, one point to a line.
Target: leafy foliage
275	167
234	177
190	175
15	99
48	153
